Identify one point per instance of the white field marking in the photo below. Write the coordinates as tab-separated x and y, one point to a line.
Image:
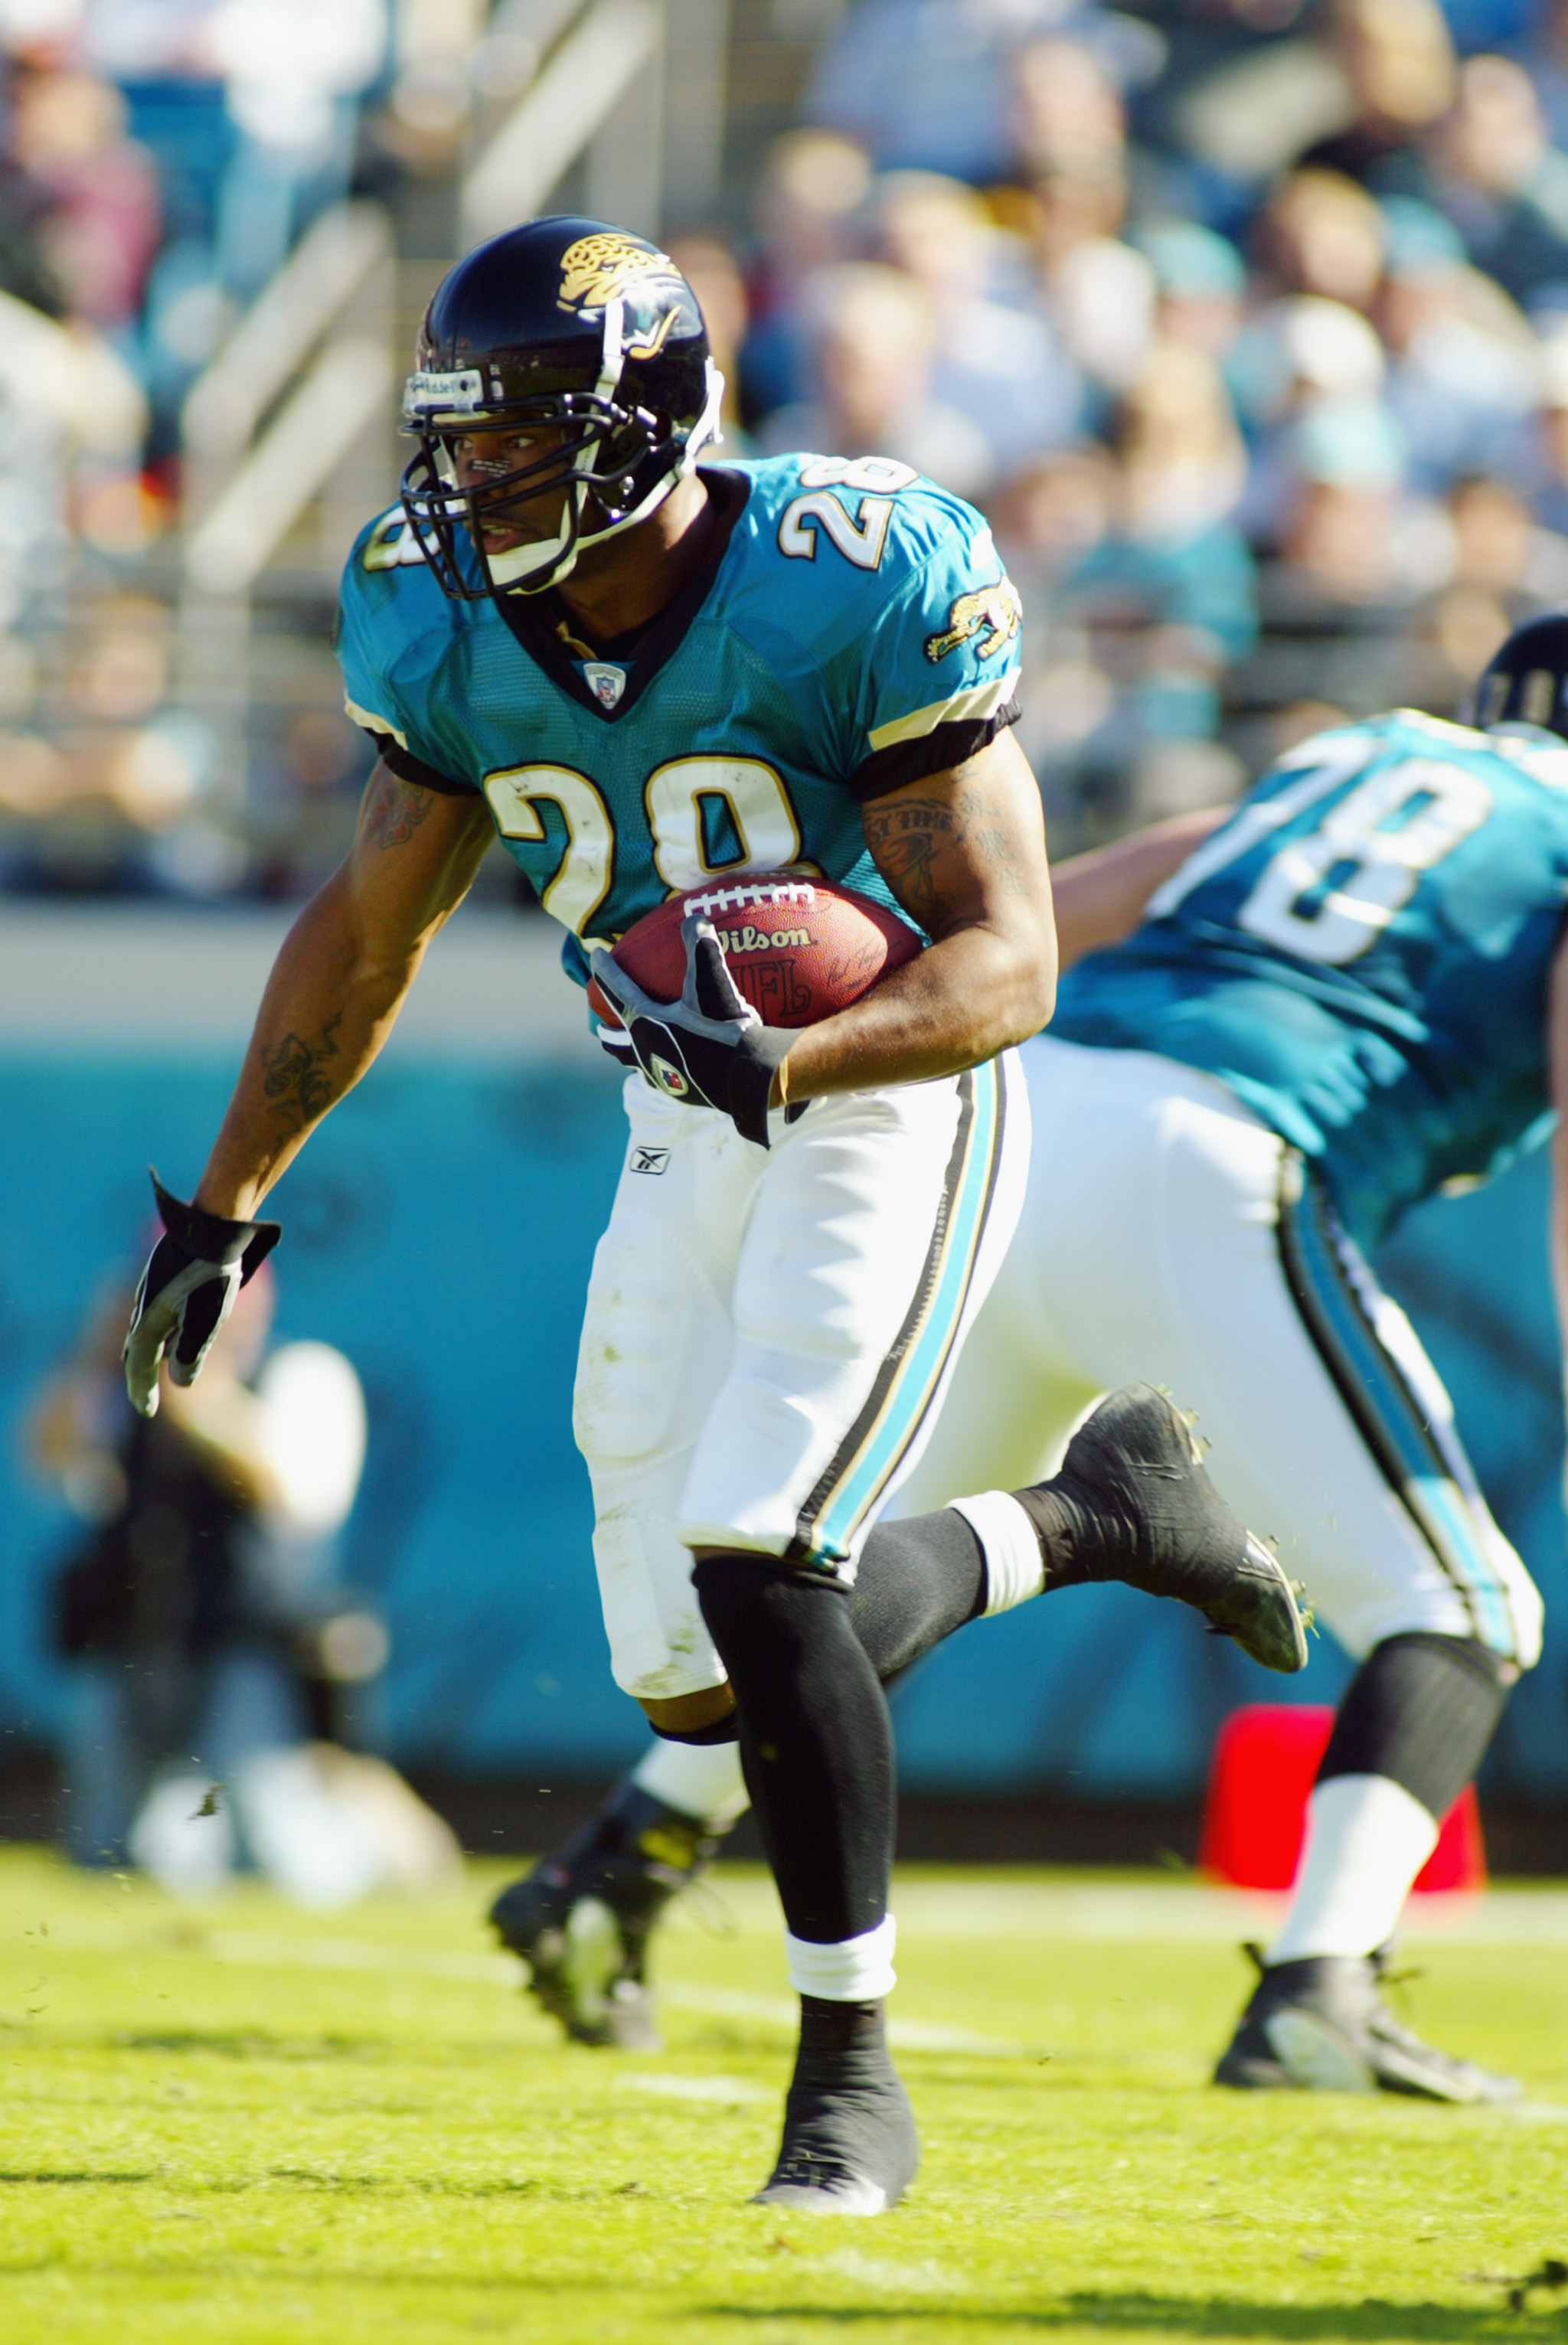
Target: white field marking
989	1908
266	1951
251	1946
778	2011
256	1948
696	2088
878	2271
994	1909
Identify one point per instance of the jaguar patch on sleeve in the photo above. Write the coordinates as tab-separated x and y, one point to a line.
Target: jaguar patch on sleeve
994	612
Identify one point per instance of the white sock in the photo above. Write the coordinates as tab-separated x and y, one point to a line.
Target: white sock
701	1779
1366	1839
856	1970
1014	1566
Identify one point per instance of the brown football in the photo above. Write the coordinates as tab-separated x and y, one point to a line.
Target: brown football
799	948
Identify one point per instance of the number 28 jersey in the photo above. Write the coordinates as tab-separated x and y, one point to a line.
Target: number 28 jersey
1361	954
850	630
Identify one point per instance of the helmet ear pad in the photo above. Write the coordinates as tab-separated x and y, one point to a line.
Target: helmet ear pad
630	461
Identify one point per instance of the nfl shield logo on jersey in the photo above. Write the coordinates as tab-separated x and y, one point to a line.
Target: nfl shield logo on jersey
605	682
669	1079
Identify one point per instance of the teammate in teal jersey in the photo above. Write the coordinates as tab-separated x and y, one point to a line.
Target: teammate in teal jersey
643	674
1349	993
1332	1001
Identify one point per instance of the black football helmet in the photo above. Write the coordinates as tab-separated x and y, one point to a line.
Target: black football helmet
565	322
1523	683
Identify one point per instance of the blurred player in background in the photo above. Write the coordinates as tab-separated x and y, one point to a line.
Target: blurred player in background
644	674
1344	994
210	1636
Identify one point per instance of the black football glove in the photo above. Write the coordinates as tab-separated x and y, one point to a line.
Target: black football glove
710	1049
187	1291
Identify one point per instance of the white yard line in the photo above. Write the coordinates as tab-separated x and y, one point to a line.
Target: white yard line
781	2011
1001	1909
1114	1910
693	2088
251	1946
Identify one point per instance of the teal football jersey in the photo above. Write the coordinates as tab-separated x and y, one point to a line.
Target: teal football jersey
1361	953
852	629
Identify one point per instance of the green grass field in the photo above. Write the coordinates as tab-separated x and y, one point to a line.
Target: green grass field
243	2122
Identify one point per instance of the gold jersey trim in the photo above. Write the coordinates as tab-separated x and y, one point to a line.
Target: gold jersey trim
971	706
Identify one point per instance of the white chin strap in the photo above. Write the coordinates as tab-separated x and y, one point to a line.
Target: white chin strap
546	561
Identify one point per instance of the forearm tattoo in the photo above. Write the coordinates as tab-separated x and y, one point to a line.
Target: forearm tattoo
394	809
295	1079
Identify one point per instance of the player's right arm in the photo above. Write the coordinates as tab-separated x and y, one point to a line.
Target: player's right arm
340	979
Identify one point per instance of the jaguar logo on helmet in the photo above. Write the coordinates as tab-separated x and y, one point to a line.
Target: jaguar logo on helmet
601	268
587	346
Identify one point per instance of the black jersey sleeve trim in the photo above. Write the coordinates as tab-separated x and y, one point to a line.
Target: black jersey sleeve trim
410	768
944	746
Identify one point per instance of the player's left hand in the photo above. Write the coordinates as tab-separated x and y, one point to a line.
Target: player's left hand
187	1291
710	1049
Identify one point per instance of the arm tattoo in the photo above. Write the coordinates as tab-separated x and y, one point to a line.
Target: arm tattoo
992	844
394	809
906	841
909	840
293	1077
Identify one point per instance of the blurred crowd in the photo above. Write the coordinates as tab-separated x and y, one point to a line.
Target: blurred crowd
1245	322
158	161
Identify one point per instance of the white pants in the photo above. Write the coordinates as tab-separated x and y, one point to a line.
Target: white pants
1167	1236
770	1334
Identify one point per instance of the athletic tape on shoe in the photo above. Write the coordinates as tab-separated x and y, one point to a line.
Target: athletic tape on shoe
1015	1567
856	1970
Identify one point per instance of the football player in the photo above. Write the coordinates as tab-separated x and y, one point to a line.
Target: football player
1346	993
644	672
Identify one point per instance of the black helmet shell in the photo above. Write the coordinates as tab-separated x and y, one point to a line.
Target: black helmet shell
525	312
1523	683
567	322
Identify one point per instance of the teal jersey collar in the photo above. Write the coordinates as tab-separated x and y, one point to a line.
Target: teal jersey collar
591	680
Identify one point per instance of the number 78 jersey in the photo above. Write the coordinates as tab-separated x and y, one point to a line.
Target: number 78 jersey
1361	954
852	630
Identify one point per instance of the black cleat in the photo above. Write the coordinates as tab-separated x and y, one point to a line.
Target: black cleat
1133	1502
582	1918
1319	2026
850	2144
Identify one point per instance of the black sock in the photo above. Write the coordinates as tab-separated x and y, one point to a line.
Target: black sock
1421	1709
916	1582
1133	1503
815	1740
839	2028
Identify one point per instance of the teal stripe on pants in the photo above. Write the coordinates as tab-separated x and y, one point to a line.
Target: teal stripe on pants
912	1374
1422	1460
